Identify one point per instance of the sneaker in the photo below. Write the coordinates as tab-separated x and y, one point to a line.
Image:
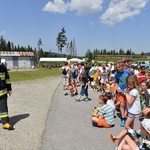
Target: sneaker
94	124
86	99
77	99
72	95
8	126
66	94
94	90
122	123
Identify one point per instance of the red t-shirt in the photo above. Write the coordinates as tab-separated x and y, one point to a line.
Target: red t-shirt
141	79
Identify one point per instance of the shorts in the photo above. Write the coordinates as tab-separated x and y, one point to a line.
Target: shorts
74	76
84	92
91	79
133	115
120	97
103	80
65	80
102	123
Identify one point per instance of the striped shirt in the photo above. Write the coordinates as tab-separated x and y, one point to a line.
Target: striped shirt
108	114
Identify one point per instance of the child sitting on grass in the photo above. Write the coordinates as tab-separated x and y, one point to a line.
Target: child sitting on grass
105	116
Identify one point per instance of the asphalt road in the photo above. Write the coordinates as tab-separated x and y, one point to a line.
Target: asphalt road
69	125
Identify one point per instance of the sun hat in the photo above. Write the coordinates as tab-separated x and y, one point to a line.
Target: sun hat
146	125
103	65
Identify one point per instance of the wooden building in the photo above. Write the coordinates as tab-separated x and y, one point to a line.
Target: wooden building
21	60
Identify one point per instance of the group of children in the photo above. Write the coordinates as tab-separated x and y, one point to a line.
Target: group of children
124	89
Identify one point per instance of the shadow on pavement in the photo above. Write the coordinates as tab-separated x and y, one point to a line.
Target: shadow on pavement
17	118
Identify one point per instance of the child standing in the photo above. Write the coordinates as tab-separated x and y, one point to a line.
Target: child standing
142	74
105	116
95	80
143	90
104	71
113	86
84	88
120	79
132	101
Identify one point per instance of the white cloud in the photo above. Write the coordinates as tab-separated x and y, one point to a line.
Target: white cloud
119	10
58	6
2	33
82	7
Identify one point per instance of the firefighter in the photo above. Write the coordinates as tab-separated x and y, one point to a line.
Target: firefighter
5	88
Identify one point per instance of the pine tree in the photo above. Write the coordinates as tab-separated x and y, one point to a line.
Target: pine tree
61	40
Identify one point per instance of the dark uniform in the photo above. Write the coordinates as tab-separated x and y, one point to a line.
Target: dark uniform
5	87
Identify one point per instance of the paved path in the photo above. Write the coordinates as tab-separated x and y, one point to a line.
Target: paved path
69	125
28	109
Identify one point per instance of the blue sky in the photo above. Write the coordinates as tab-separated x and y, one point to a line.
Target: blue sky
94	24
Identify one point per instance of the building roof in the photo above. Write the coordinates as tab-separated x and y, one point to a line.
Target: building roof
52	59
12	53
76	60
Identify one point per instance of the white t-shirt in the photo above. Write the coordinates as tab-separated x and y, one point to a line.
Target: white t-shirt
135	108
148	91
136	72
104	77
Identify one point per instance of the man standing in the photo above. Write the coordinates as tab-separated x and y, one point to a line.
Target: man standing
5	88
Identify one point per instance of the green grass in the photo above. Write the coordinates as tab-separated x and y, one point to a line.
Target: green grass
33	74
107	59
119	59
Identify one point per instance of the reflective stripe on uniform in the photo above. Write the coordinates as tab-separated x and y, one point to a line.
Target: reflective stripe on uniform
3	92
4	116
8	81
2	76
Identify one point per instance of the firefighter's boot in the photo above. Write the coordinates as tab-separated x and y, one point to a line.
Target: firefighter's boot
8	126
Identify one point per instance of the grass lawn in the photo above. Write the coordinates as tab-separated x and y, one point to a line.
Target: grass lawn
119	59
33	74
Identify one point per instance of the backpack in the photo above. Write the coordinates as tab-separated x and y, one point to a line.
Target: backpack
64	71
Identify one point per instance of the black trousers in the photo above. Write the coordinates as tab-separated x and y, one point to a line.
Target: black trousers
4	110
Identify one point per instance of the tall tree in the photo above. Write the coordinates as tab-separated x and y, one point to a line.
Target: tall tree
67	48
71	49
142	53
74	47
3	44
89	55
61	40
39	44
8	46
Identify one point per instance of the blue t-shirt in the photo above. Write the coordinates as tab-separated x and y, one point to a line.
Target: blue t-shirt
120	78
